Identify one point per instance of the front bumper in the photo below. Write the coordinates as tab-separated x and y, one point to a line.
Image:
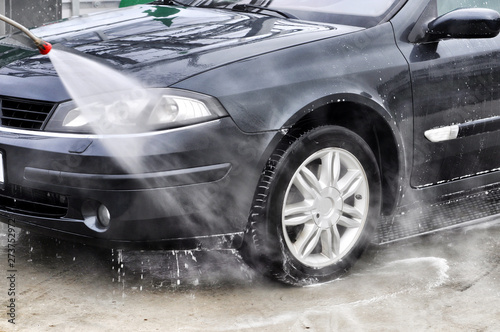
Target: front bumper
180	189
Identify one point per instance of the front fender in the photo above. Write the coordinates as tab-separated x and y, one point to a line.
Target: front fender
274	90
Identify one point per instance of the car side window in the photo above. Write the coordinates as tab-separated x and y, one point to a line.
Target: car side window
445	6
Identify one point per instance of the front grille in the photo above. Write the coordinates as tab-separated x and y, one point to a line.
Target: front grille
33	202
23	113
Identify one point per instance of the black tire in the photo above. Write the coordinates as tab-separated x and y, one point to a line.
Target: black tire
303	228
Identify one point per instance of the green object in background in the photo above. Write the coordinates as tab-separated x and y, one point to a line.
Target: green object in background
126	3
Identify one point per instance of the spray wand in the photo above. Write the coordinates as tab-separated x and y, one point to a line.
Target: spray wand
43	46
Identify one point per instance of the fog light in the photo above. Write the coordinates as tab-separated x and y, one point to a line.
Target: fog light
103	216
96	215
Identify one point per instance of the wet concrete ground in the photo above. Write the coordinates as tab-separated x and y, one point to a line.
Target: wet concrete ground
449	281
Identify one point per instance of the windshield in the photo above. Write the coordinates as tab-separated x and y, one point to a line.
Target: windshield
363	13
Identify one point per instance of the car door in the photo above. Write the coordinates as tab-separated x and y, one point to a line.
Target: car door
455	85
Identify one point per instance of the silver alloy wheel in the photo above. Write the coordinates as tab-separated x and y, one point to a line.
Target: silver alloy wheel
325	207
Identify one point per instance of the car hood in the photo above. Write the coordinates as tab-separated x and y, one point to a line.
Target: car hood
159	45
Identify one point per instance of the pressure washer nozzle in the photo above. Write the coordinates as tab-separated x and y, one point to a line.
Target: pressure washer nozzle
44	47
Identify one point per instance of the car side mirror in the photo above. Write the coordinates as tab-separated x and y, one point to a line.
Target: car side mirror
464	24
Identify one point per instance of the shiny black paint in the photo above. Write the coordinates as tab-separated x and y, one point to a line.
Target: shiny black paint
338	78
272	75
160	45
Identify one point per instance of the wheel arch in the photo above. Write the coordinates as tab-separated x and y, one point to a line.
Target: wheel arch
379	135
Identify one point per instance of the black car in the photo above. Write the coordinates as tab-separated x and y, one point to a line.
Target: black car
284	128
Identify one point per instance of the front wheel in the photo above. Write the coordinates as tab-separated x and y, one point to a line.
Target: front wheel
316	207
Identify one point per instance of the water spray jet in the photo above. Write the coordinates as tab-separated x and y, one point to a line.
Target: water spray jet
43	46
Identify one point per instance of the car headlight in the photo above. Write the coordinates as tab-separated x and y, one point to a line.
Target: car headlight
134	112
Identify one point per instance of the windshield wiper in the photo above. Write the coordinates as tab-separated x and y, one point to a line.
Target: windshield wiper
250	8
169	2
239	8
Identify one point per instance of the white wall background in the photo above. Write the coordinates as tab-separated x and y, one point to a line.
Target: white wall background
69	8
81	7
